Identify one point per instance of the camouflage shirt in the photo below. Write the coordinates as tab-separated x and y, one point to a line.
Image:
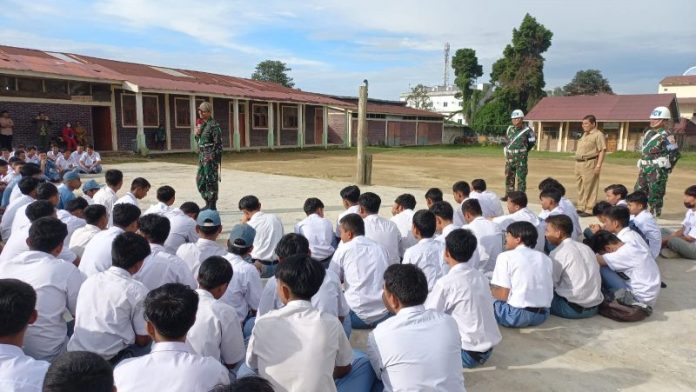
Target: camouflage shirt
520	139
659	143
210	139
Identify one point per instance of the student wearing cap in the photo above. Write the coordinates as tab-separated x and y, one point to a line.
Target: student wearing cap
521	140
89	189
208	227
71	182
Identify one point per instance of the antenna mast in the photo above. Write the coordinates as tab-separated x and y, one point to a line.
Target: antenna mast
447	58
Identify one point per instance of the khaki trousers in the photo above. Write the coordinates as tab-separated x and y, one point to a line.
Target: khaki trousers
588	185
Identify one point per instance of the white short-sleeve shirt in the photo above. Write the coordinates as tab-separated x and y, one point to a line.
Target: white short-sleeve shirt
427	255
162	267
529	276
244	291
350	210
17	244
641	269
183	230
570	211
647	224
97	255
81	237
384	232
269	231
20	372
10	212
576	273
404	222
158	208
521	215
490	238
490	203
630	236
319	234
106	197
689	224
195	253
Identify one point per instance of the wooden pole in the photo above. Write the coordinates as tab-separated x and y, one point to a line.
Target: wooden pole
362	175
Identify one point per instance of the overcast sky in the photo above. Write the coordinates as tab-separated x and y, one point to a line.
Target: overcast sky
332	46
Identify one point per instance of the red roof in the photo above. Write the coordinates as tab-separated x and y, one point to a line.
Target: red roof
688	80
379	106
604	107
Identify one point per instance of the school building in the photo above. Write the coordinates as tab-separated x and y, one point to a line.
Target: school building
120	102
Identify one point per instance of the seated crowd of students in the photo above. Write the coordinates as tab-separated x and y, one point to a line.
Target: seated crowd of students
89	284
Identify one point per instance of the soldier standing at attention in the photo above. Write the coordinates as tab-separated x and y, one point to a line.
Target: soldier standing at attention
209	138
589	156
521	139
659	155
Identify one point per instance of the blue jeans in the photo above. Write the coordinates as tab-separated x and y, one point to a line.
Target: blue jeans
512	317
561	308
358	323
468	361
611	281
131	351
266	270
347	326
248	327
361	376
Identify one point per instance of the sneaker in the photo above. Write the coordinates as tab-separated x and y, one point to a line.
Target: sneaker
669	254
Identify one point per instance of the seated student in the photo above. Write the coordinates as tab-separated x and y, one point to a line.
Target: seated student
208	228
28	187
53	152
107	195
418	349
97	255
28	170
433	195
96	220
576	279
44	191
360	263
516	204
427	253
166	196
18	371
464	293
460	191
89	189
48	167
217	331
617	221
79	371
56	283
318	231
644	221
109	318
90	161
490	204
63	162
567	205
616	195
160	266
269	230
73	216
487	232
298	348
170	311
138	190
246	384
31	155
522	282
402	216
379	229
183	222
682	242
443	219
349	198
626	266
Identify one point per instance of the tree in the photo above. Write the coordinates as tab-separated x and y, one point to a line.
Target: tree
273	71
492	118
419	98
588	82
466	70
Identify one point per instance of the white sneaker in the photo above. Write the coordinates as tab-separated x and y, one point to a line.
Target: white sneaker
669	254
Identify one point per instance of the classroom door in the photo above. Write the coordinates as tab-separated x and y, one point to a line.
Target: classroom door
101	128
318	126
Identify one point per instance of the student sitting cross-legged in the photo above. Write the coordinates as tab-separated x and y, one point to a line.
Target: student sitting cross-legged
379	229
402	211
427	253
170	311
298	348
79	371
682	242
487	232
465	294
567	205
208	228
576	279
318	231
644	221
522	282
418	349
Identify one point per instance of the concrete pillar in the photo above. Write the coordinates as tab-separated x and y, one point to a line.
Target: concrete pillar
192	119
141	146
560	137
270	125
300	125
348	129
114	127
235	125
325	131
167	121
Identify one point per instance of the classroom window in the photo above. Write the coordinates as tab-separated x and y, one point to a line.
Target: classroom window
80	89
260	119
290	117
128	116
56	86
30	85
8	83
100	92
182	113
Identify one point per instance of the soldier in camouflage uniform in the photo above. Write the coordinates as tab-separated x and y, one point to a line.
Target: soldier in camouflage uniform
209	139
659	155
521	140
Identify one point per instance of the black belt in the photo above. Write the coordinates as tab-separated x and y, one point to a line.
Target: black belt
266	262
586	159
576	307
536	310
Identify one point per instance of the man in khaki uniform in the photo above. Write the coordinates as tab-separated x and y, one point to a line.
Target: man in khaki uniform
589	156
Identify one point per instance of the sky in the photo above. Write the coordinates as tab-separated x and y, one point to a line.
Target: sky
331	46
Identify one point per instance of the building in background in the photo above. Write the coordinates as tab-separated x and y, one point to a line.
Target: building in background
684	87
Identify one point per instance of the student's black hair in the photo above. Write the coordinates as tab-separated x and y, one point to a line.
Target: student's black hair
93	213
617	190
39	209
638	197
165	193
462	186
75	204
561	222
128	249
370	202
518	198
407	282
45	191
214	272
292	244
3	163
434	195
442	209
249	203
155	228
302	275
190	207
472	206
113	177
690	191
407	201
140	183
552	183
79	371
171	308
601	208
620	215
209	230
311	205
30	169
14	160
461	244
27	185
17	303
479	185
45	234
124	214
350	193
353	223
424	221
552	194
246	384
600	240
524	231
31	148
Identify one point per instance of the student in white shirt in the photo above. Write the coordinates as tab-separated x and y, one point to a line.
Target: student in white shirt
616	194
79	371
96	220
565	204
44	191
378	229
18	371
109	319
576	279
160	266
518	212
360	263
427	253
56	282
349	199
617	221
166	196
90	161
460	191
298	348
402	215
522	282
488	233
77	154
64	162
73	216
89	189
318	231
31	155
138	190
418	349
217	331
107	196
490	204
28	186
443	219
208	227
645	221
183	222
269	230
682	243
170	311
465	294
53	153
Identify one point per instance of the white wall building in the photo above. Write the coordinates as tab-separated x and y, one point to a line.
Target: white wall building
444	101
685	88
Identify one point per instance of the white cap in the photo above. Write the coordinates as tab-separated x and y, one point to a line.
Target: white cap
517	114
660	113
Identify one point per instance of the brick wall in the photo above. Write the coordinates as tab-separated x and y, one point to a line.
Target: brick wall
407	133
337	127
221	112
180	137
375	132
309	125
126	135
23	115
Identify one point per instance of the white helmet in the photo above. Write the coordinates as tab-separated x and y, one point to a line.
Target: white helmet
517	114
660	113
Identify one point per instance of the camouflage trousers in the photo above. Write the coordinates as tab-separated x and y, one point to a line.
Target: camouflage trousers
516	167
208	177
652	180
